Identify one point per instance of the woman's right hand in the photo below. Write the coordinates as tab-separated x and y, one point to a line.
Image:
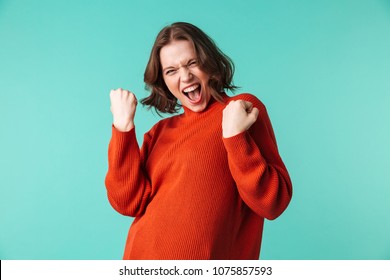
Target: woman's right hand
123	106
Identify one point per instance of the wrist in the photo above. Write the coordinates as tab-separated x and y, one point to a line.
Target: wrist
123	127
230	133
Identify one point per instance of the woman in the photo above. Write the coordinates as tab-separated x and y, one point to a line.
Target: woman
204	180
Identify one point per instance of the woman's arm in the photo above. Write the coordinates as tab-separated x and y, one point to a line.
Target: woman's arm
259	172
128	186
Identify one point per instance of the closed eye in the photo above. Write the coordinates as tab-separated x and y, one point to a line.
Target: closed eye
170	72
192	63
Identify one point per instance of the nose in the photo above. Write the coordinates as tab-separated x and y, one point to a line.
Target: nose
185	74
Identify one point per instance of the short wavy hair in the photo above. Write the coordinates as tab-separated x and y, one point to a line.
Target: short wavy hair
210	59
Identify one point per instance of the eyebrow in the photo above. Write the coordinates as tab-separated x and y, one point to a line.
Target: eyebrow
173	67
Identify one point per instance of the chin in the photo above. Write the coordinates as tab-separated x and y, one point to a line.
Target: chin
197	108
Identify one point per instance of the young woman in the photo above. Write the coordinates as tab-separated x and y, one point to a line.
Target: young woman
204	180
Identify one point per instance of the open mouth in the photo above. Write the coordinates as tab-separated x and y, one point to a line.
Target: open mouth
193	93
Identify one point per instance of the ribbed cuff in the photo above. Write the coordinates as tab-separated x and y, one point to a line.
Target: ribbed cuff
123	138
239	143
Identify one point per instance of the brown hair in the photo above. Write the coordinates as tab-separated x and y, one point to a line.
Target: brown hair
210	59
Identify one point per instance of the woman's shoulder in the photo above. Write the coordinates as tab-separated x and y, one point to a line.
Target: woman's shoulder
161	124
249	97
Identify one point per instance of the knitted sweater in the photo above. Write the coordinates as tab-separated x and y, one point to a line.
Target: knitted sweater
193	193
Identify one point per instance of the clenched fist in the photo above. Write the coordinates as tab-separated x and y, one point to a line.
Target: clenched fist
238	116
123	106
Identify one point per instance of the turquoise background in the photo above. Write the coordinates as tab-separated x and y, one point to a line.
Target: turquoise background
322	68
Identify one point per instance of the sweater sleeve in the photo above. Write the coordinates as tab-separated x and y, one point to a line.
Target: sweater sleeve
259	172
128	186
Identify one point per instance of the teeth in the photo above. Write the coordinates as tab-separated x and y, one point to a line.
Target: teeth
192	88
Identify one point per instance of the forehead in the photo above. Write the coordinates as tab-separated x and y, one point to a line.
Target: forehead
177	53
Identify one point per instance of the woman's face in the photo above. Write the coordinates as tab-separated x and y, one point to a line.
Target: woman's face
183	76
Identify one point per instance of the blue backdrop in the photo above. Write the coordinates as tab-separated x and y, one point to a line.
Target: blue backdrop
322	68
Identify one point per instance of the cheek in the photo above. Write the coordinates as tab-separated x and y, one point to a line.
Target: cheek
169	84
203	76
172	86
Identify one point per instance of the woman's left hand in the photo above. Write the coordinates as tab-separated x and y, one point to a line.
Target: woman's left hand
238	116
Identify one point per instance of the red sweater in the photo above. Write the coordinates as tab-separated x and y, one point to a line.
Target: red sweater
195	194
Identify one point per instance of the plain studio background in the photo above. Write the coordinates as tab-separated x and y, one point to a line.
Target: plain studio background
322	68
